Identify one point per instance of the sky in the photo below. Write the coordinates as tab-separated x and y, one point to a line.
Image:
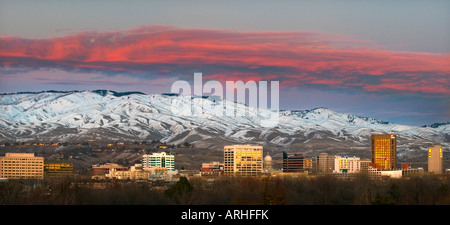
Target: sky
388	60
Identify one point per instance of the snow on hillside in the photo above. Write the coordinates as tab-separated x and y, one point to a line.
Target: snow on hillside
139	116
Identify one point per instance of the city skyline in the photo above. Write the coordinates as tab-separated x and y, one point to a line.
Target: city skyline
373	59
239	160
243	178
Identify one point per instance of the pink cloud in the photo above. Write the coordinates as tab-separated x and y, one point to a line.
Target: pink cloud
294	58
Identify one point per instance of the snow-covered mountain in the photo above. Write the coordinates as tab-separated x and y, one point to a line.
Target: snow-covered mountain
108	115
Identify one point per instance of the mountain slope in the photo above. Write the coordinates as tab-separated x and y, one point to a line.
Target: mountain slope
107	115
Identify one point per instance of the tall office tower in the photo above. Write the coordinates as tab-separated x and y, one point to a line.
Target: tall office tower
435	159
384	151
243	160
21	166
325	163
292	163
159	160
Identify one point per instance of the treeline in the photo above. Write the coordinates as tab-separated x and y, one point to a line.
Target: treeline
321	190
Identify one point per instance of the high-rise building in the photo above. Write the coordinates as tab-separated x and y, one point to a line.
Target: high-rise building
347	164
384	151
21	166
243	160
325	163
435	159
159	160
292	163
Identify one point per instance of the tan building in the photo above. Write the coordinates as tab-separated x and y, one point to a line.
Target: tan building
325	163
410	172
373	173
384	151
101	170
243	160
136	172
435	159
21	166
364	165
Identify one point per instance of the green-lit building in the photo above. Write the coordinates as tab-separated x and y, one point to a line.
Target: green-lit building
159	160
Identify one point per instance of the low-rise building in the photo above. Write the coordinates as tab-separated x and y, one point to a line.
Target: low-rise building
213	168
410	172
58	169
101	170
391	173
136	172
364	166
373	173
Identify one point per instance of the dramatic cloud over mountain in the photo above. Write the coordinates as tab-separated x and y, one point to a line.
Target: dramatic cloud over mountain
296	58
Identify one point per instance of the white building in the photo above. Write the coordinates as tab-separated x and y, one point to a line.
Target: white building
392	173
347	164
159	160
